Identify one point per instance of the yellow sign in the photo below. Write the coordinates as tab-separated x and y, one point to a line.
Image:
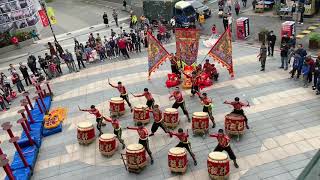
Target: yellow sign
51	15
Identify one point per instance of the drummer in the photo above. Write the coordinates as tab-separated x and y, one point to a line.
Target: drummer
237	108
157	115
179	102
123	92
207	106
93	110
224	145
148	96
184	143
117	130
143	138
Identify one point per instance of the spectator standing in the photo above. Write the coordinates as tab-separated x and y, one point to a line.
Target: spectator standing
17	81
124	4
311	64
32	64
105	19
284	57
296	65
263	56
25	74
225	21
123	47
254	3
316	73
115	17
271	38
51	49
138	42
79	56
305	72
244	3
57	62
237	8
72	65
301	10
58	48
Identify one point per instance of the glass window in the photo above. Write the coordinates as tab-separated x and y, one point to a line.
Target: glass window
179	12
188	11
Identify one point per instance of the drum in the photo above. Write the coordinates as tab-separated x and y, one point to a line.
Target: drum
171	117
218	165
234	124
107	144
140	114
136	157
85	132
116	106
200	122
177	159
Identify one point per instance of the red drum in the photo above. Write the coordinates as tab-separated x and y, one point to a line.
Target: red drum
171	117
200	122
177	159
86	133
117	106
140	114
218	165
107	144
136	157
234	124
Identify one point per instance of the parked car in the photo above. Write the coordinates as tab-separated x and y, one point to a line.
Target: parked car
200	8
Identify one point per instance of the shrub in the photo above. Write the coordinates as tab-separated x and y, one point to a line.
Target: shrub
314	37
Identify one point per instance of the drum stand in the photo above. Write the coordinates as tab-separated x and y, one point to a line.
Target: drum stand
131	170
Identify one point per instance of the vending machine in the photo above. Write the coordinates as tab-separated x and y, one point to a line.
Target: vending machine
243	30
288	28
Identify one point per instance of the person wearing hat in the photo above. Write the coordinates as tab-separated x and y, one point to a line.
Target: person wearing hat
148	96
123	92
237	108
93	110
179	102
224	145
207	106
143	138
117	130
184	142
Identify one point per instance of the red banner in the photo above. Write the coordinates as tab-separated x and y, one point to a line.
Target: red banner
44	18
187	45
222	51
157	54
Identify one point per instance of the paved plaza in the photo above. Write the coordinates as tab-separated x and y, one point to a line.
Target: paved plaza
284	119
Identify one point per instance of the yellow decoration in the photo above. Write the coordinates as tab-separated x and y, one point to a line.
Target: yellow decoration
55	117
51	15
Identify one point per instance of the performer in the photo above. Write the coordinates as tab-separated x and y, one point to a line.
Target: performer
93	110
157	115
207	106
123	92
174	65
195	78
179	102
237	108
117	130
184	143
143	138
224	144
148	96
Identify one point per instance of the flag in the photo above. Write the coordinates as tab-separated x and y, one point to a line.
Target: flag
43	17
222	51
187	45
157	54
51	15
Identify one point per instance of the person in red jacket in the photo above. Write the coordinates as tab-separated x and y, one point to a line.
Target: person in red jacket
122	90
117	130
122	44
157	115
179	102
93	110
224	145
207	106
184	143
148	96
143	138
237	108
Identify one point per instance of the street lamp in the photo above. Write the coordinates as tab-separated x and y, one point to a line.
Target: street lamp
43	5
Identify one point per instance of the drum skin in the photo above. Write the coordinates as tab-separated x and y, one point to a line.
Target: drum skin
107	144
117	106
140	114
85	133
136	156
234	124
177	159
171	118
200	122
218	165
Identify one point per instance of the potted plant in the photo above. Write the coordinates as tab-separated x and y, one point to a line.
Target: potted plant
314	41
262	35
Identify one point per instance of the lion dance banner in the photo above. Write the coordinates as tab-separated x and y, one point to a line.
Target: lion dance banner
187	45
157	54
222	51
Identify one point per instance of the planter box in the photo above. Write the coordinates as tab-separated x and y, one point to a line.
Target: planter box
314	44
13	47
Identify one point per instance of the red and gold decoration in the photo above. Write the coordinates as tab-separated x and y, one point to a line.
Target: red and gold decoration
136	157
157	54
107	144
54	118
171	118
200	122
173	80
187	81
177	159
218	165
234	124
222	51
140	114
116	106
43	17
85	133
